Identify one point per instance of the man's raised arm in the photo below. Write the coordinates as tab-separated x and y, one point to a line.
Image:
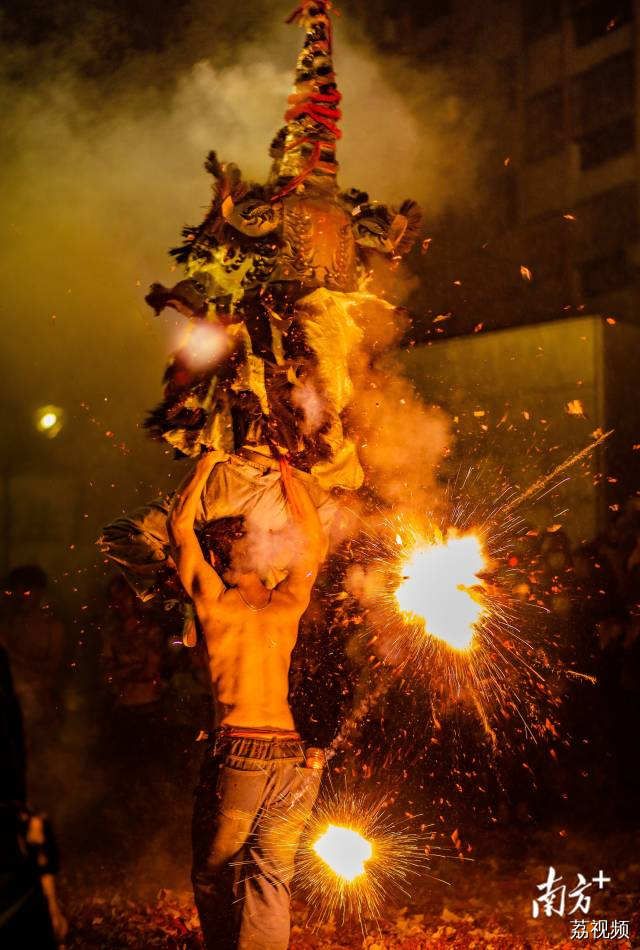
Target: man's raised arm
198	578
313	545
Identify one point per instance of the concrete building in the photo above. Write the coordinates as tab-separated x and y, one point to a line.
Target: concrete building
578	101
553	235
557	85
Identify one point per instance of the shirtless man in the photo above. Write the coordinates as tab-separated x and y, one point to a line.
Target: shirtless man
255	794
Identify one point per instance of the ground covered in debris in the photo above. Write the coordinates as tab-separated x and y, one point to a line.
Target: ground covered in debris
484	904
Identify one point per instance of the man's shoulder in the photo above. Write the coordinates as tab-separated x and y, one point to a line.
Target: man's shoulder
211	607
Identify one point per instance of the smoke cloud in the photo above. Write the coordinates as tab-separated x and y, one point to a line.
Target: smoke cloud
104	135
98	184
102	168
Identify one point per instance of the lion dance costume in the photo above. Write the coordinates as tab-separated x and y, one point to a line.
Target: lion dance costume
275	277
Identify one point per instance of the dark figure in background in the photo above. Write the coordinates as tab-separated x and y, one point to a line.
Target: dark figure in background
133	653
255	794
29	913
34	639
135	743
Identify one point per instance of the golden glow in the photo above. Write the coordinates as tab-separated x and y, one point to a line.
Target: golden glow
48	420
437	588
202	345
354	859
344	850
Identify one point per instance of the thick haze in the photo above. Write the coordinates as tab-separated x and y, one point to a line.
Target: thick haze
104	166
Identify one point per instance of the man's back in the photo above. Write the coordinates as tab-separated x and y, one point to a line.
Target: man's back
255	792
249	630
249	655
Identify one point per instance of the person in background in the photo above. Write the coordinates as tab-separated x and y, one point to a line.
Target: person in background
30	916
133	651
34	639
133	658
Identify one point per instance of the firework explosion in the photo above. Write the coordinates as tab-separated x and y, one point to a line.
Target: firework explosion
354	858
438	612
344	850
442	588
444	610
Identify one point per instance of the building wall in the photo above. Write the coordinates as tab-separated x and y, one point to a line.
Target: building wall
564	112
580	106
562	191
513	398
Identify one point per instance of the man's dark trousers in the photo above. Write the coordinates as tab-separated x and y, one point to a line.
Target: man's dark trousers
254	798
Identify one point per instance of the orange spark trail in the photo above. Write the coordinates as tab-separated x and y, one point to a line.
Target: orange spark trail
544	481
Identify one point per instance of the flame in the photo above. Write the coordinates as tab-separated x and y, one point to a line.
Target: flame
344	850
438	588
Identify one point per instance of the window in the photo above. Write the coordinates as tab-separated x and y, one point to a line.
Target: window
603	274
544	125
608	222
544	247
607	143
540	17
596	19
603	94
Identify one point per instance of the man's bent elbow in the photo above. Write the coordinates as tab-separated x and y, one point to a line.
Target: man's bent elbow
178	527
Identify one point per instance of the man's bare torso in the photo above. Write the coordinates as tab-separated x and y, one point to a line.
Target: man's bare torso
249	653
249	632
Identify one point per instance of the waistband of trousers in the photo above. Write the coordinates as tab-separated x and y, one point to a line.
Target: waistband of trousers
265	745
270	733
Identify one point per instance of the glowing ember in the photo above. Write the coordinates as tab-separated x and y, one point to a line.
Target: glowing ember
438	588
344	850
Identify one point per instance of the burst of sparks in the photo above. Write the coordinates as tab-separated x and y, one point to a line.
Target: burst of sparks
504	674
344	850
441	588
421	644
440	613
476	654
354	858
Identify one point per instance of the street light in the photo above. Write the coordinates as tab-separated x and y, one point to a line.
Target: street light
49	420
